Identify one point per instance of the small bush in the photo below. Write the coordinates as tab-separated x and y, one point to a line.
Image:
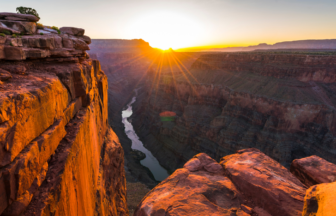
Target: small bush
58	31
55	28
11	44
14	35
6	32
41	33
27	10
39	26
2	35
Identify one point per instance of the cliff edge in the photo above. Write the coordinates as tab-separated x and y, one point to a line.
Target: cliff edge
58	155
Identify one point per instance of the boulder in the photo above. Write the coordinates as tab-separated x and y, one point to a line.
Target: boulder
18	17
72	31
320	200
20	26
4	75
313	170
265	182
194	190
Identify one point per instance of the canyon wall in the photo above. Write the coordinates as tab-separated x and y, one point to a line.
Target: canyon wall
283	105
58	154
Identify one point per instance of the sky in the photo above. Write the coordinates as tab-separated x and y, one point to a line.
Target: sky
190	23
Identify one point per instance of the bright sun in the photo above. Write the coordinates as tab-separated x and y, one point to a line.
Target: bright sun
166	30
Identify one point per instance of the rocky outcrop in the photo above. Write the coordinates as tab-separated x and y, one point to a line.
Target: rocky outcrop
58	154
313	170
282	104
245	183
33	43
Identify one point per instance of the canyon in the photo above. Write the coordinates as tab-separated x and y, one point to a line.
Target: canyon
251	133
282	104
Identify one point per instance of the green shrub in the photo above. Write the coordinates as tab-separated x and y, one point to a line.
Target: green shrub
39	26
6	32
2	35
55	28
27	10
14	35
41	33
11	44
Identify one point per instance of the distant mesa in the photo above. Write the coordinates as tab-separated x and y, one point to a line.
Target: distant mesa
300	44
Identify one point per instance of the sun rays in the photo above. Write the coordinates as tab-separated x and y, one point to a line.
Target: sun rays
166	69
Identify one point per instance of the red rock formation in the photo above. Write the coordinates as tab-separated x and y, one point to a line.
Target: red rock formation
313	170
245	183
200	188
265	182
58	155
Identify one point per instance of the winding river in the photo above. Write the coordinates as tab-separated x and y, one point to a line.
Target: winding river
150	161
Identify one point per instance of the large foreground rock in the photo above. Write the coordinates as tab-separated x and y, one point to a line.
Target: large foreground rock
245	183
313	170
198	189
265	182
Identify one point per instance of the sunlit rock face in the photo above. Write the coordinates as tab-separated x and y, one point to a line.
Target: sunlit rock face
282	104
313	170
58	154
245	183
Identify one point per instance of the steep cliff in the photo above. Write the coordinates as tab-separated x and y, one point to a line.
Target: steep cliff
281	104
58	155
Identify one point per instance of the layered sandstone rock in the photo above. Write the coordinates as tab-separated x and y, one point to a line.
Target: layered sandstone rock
313	170
245	183
282	104
33	43
58	154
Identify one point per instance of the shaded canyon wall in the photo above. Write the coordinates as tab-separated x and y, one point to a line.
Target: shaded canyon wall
283	105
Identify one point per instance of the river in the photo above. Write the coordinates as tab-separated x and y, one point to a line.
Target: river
150	161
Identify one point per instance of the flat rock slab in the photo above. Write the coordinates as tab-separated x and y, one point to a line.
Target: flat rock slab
313	170
21	17
23	27
72	31
265	182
